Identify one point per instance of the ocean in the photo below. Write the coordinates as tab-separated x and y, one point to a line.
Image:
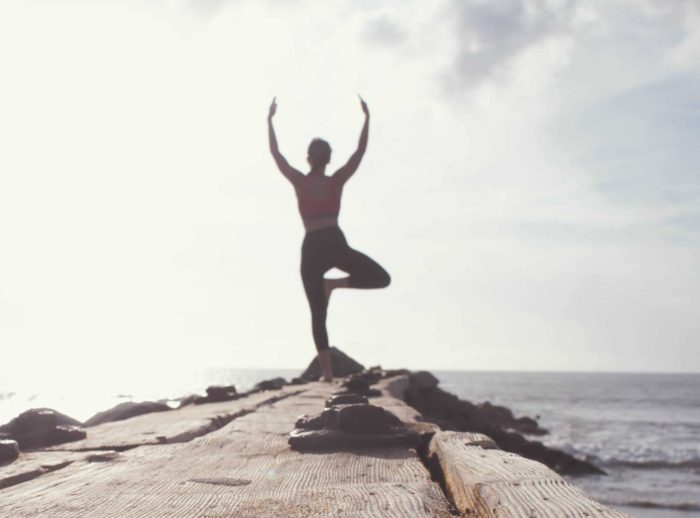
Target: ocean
642	429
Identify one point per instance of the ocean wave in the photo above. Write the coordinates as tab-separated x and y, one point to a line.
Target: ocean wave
682	506
640	457
649	464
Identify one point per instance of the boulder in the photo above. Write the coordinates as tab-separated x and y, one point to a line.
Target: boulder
125	411
40	427
271	384
37	418
359	385
9	451
342	364
344	427
221	393
424	380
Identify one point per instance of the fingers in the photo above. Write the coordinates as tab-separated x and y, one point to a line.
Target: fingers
363	104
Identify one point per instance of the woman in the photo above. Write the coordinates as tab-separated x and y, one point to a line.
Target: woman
324	244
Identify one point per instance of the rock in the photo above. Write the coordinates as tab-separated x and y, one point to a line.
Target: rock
221	393
451	413
366	419
37	418
342	364
41	427
125	411
271	384
529	426
298	381
50	437
9	451
346	399
192	399
395	372
351	426
424	380
358	384
215	394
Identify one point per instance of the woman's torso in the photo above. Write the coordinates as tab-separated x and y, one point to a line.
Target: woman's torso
318	197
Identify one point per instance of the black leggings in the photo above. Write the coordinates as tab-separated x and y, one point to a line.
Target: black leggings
322	250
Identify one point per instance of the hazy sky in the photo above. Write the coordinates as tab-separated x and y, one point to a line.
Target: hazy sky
532	181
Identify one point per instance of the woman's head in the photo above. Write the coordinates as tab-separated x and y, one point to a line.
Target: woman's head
319	153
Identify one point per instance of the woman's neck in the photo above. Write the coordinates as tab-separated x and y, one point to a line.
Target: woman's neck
318	171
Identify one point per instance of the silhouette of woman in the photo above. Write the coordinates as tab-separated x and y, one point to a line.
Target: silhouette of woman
324	245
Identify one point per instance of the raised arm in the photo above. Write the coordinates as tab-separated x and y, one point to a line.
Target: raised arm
345	172
287	170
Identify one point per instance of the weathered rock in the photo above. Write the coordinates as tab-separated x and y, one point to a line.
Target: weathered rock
346	399
351	426
221	393
298	381
366	419
50	437
9	451
125	411
424	380
359	385
41	427
215	394
395	372
192	399
529	426
37	418
450	413
342	364
271	384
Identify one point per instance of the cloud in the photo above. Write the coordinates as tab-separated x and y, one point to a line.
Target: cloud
492	34
383	31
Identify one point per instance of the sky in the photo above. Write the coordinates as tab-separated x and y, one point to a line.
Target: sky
532	182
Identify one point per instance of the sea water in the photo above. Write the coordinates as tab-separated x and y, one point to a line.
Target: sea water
642	429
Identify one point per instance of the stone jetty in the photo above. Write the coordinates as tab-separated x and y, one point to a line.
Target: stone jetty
254	455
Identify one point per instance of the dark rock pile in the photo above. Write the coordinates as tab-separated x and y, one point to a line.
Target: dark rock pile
9	450
41	427
342	426
350	422
498	422
342	364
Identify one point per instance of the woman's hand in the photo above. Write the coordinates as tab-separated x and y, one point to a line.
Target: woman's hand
273	108
365	110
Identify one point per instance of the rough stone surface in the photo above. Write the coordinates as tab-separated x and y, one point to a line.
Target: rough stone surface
9	451
342	364
41	427
271	384
424	380
359	384
221	393
125	411
351	426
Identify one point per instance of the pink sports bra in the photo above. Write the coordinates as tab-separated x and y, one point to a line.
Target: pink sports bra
319	197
